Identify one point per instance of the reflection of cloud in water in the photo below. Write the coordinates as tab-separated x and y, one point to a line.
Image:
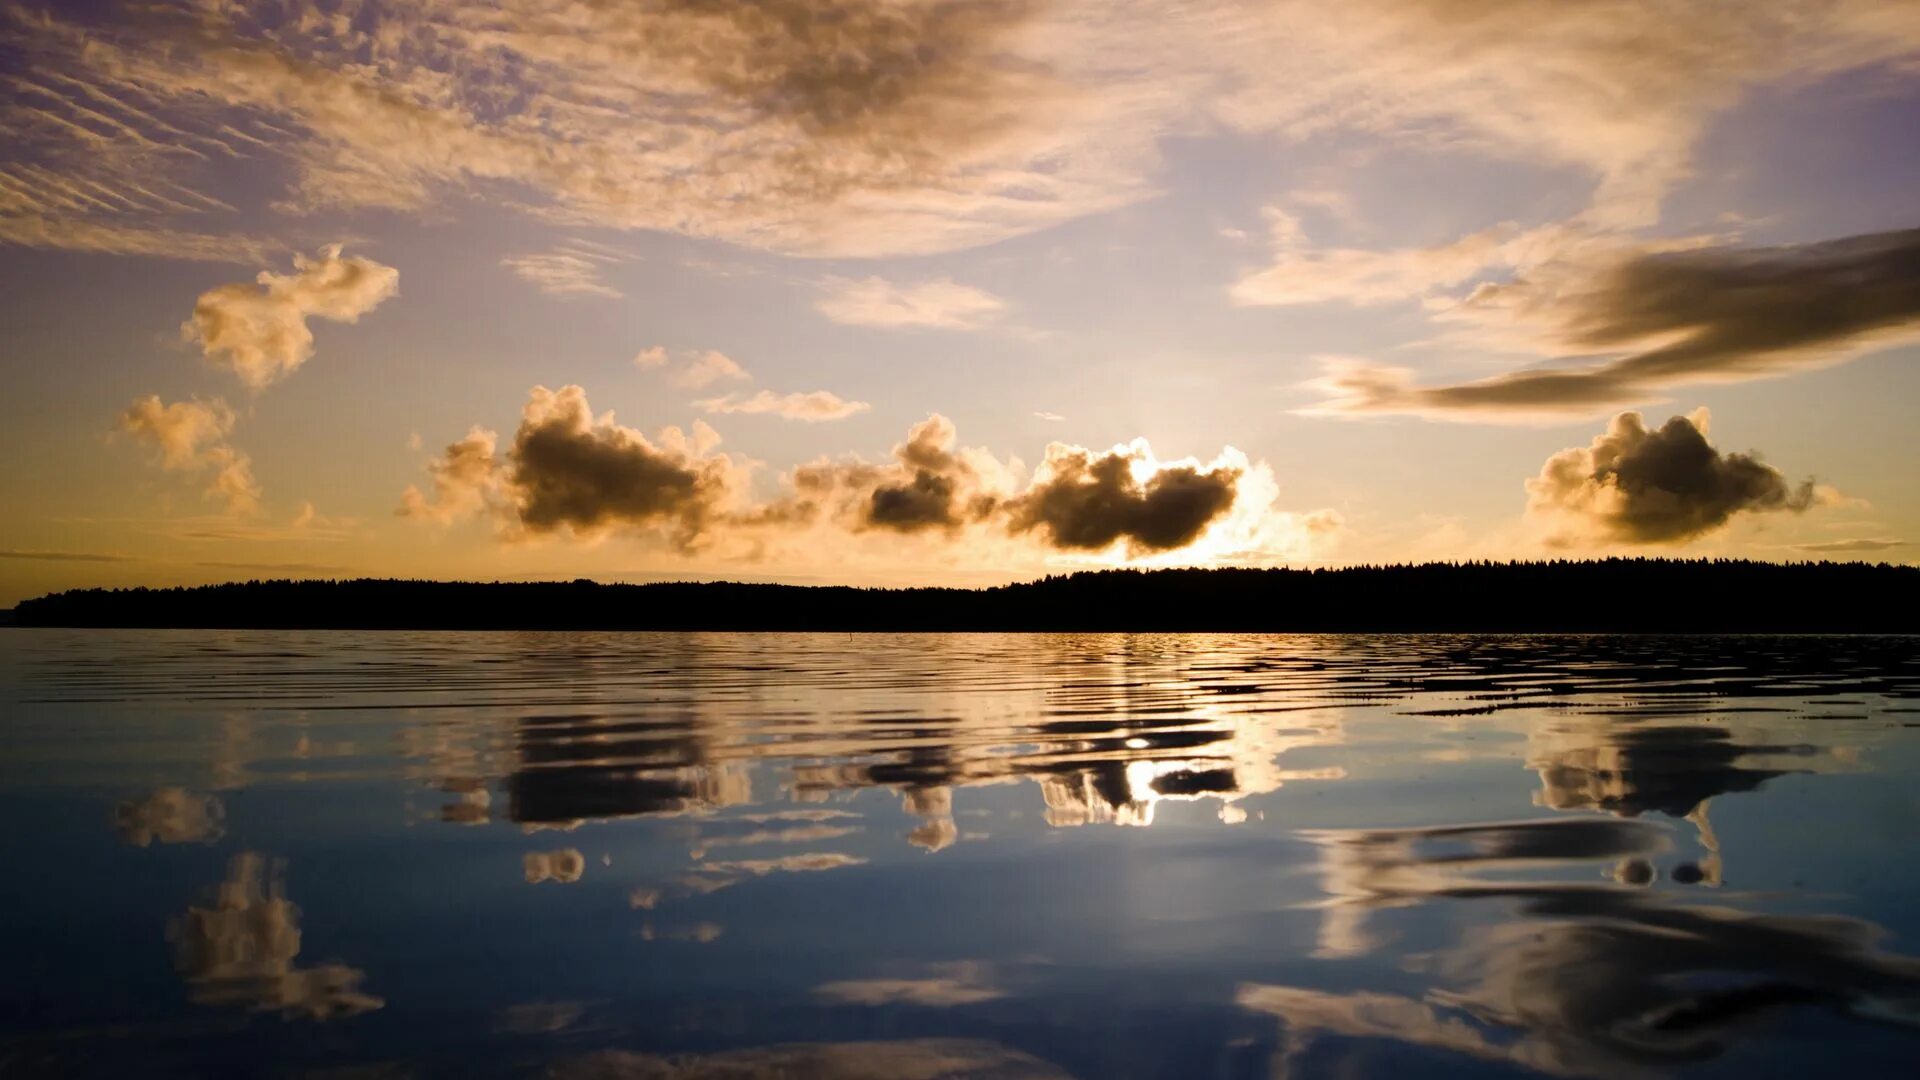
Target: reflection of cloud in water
800	834
239	951
907	1059
472	803
1366	869
714	876
1595	979
565	865
170	815
1628	769
700	933
946	986
576	768
539	1017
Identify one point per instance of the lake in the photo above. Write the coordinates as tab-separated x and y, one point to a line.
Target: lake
344	854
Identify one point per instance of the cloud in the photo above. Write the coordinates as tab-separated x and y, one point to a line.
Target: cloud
261	333
1050	417
1664	486
1670	317
191	437
65	556
1848	546
813	407
865	127
653	356
709	367
170	815
1092	502
566	272
930	485
1304	274
466	478
570	472
939	304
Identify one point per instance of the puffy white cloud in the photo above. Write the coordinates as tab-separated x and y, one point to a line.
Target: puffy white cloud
260	332
191	437
466	479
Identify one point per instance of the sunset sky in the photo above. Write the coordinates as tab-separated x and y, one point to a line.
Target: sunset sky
950	291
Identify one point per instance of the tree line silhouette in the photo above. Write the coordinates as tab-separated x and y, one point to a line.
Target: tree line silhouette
1623	595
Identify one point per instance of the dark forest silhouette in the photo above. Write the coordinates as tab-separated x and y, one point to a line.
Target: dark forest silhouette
1630	595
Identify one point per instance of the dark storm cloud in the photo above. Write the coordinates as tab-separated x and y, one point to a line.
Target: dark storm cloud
929	485
1667	485
1718	314
1087	501
567	471
570	471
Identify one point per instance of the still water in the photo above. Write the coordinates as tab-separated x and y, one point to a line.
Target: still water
735	855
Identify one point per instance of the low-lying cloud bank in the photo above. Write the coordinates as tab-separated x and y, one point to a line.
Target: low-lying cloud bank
571	473
1668	485
1668	318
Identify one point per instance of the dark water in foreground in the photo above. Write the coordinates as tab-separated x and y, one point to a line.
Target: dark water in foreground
419	854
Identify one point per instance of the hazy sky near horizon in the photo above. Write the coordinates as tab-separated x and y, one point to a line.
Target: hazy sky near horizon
950	291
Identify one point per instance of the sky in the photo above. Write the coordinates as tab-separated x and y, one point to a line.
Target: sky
891	292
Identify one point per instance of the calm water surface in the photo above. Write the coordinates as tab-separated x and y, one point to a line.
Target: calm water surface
659	855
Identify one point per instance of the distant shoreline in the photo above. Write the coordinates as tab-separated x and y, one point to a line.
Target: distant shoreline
1602	596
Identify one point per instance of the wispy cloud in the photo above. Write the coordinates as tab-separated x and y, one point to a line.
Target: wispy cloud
65	556
814	407
1671	318
572	269
1841	547
939	304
